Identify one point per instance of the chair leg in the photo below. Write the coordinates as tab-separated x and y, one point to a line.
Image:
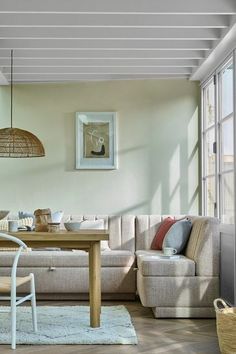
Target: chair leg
33	303
13	320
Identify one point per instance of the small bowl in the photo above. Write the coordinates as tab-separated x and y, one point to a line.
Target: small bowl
72	225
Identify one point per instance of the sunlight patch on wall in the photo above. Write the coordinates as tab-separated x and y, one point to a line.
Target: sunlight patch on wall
174	182
156	203
193	173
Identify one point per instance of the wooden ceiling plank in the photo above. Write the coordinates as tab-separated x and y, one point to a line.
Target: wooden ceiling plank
90	62
127	6
97	71
104	44
76	53
113	33
113	20
85	78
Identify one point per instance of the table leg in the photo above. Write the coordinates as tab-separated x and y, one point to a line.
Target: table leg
95	284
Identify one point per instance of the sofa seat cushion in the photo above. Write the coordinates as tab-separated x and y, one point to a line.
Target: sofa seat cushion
109	258
150	265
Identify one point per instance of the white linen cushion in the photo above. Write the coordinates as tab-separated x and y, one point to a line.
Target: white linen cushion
150	265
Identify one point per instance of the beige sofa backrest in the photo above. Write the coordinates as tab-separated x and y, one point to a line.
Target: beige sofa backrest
122	229
145	229
202	247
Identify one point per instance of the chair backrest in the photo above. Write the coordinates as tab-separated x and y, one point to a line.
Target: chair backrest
121	228
22	245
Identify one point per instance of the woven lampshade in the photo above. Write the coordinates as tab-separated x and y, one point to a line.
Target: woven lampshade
16	142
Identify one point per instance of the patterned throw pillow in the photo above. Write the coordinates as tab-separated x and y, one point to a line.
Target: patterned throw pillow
161	232
178	235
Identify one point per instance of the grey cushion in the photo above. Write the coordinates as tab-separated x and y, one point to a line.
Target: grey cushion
178	235
150	265
67	259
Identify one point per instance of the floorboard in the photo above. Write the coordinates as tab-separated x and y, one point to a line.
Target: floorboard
190	336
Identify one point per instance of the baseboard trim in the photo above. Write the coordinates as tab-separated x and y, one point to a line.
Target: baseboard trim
183	312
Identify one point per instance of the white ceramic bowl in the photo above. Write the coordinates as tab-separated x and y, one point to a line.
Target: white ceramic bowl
72	225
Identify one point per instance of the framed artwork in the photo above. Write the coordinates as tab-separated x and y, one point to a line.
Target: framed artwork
96	140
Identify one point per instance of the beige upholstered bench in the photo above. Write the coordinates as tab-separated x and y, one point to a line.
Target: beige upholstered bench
185	287
64	274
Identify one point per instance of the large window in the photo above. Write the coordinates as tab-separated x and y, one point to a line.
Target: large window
209	157
226	144
218	144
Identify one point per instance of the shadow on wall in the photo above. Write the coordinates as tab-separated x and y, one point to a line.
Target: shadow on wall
175	178
170	171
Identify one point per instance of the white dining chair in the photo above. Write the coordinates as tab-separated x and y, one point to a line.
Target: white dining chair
10	284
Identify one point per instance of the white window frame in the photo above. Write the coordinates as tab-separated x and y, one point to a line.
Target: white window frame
220	122
204	130
215	77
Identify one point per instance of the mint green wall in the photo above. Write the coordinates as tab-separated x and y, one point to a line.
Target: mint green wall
157	142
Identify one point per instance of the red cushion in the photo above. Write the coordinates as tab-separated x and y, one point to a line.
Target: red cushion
161	232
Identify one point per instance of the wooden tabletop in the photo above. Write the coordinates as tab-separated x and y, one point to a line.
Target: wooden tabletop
80	235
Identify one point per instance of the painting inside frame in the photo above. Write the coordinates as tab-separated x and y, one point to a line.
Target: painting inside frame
96	140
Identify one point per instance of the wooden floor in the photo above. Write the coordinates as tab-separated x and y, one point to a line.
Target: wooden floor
154	336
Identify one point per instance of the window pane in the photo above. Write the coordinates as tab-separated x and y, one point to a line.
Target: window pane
227	91
228	198
209	105
210	156
227	147
210	196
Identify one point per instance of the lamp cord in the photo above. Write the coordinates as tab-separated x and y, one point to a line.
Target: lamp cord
11	84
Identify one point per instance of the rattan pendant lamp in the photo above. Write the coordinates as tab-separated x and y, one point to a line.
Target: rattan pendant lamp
16	142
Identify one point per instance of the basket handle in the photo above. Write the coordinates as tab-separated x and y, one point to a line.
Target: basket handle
223	303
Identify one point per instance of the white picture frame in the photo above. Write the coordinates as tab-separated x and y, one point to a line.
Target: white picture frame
96	143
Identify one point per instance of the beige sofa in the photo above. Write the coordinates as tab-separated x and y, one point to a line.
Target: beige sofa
64	274
179	288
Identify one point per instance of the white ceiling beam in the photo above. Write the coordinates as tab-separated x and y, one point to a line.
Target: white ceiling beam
128	6
96	70
76	53
219	52
76	77
104	44
80	62
113	33
3	79
113	20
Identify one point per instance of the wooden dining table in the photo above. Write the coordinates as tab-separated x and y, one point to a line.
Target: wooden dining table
87	240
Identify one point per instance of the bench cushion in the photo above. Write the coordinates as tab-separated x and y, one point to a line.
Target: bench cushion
65	259
150	265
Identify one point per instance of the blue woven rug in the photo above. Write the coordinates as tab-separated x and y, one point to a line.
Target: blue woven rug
69	325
